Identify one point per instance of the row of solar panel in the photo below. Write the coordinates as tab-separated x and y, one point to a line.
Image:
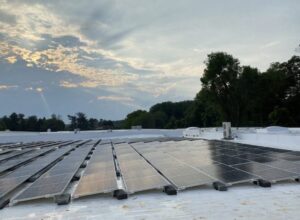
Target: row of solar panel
153	165
55	180
11	181
221	163
11	153
24	145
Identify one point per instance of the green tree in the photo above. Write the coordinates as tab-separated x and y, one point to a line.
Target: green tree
2	125
82	121
220	80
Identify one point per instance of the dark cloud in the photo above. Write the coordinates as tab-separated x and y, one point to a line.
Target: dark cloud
7	18
66	41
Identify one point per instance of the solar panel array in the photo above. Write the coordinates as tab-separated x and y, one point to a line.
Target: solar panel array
227	163
180	174
55	181
138	175
14	162
132	166
14	179
100	174
13	154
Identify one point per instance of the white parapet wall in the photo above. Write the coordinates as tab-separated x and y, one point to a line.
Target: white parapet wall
279	137
206	133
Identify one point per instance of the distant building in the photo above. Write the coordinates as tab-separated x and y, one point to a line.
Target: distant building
137	127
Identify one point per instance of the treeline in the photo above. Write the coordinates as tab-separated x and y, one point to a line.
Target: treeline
230	92
163	115
18	122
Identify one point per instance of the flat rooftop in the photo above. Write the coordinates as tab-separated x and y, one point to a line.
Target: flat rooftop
211	179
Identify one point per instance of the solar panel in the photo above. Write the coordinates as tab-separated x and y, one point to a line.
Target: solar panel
13	154
148	163
251	167
19	161
5	151
274	174
251	159
99	175
178	173
137	174
55	181
23	173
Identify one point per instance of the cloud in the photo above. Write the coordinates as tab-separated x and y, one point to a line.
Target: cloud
67	59
147	52
125	100
44	39
11	59
29	89
67	84
7	18
39	89
116	98
270	44
7	87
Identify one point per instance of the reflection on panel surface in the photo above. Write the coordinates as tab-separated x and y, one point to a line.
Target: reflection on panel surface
230	163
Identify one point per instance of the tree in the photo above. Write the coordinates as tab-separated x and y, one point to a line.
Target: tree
55	123
280	116
2	125
248	93
82	121
93	123
291	70
32	124
220	80
73	124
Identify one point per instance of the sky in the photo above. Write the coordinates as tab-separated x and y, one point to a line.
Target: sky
109	58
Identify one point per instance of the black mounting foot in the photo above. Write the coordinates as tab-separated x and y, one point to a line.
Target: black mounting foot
76	177
62	199
170	190
262	183
219	186
4	203
33	178
297	179
83	165
118	173
120	194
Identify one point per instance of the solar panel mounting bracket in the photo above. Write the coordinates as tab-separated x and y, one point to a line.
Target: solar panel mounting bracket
62	199
219	186
170	190
3	203
262	183
120	194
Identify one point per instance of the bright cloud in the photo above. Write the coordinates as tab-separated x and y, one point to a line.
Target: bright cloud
116	98
39	89
6	87
11	59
